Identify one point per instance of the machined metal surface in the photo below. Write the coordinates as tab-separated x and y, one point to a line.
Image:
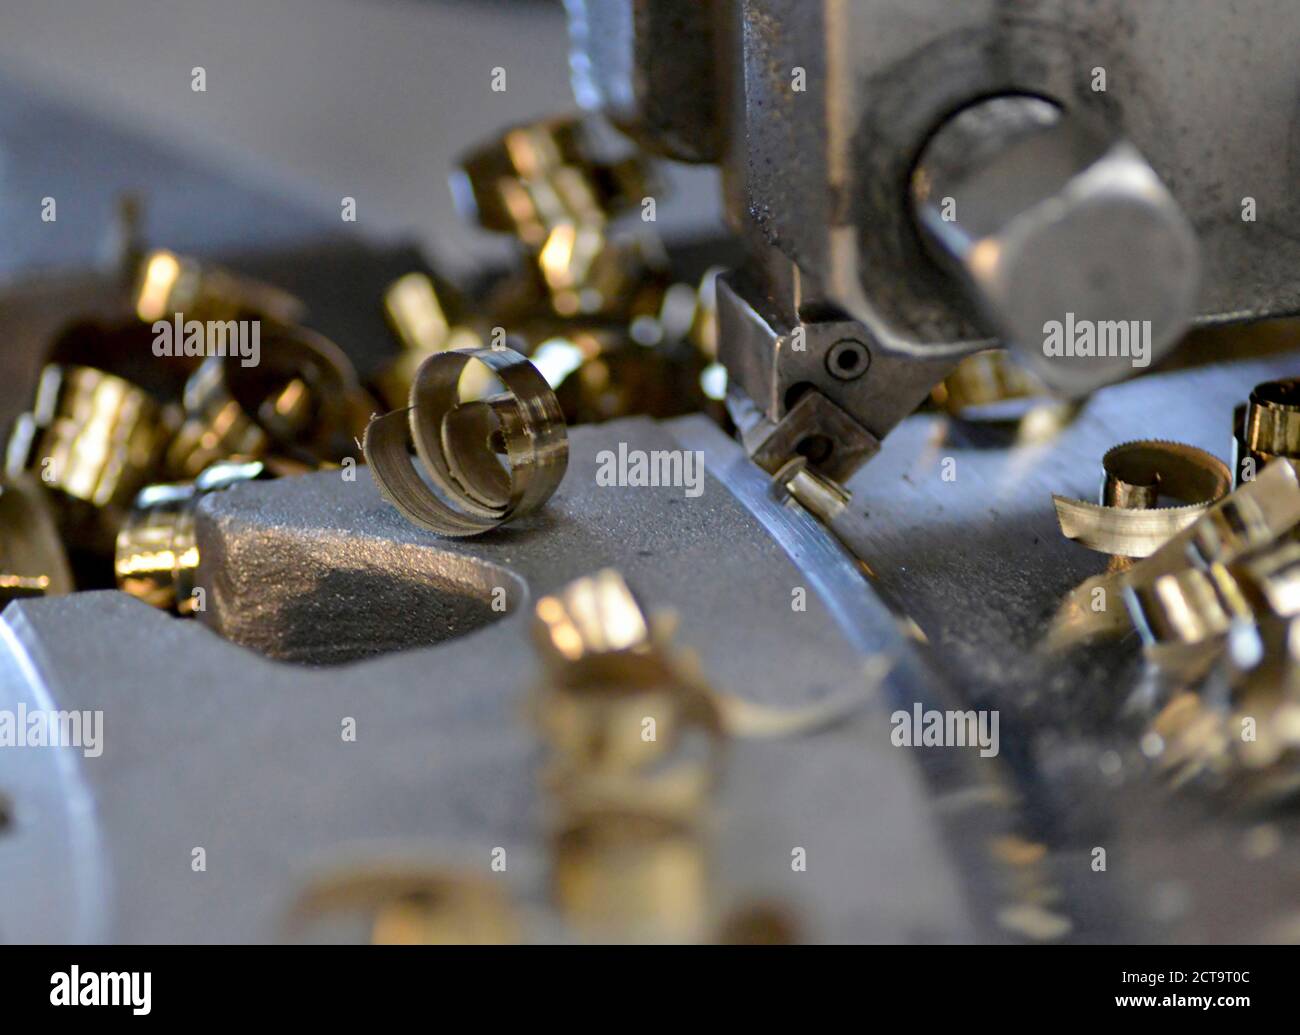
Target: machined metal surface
881	75
630	60
356	729
980	566
928	180
1040	216
320	570
277	587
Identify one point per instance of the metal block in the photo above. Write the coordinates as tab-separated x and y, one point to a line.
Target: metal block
228	744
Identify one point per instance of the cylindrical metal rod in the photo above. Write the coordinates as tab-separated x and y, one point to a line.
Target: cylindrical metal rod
1067	243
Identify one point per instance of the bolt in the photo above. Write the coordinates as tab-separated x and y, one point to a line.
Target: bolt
847	360
1048	224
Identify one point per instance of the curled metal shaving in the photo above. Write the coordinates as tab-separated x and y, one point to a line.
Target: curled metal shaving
1184	591
1266	426
1272	424
1240	733
636	738
1128	523
458	445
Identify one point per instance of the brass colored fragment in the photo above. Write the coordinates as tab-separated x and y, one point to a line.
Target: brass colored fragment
636	739
301	400
632	875
549	185
168	284
458	442
1266	427
1240	735
630	784
615	700
1273	418
984	379
1187	606
157	556
90	436
817	494
1128	522
408	904
1164	600
427	316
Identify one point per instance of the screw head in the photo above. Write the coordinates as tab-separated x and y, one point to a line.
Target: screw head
847	360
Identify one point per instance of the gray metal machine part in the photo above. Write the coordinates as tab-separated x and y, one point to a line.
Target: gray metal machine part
323	605
1162	189
320	571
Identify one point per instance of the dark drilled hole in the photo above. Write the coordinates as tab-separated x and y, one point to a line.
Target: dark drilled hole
796	392
816	448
